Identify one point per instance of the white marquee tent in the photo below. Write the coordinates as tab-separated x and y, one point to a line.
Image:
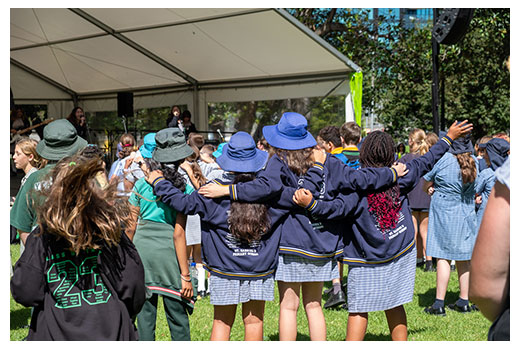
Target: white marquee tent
67	57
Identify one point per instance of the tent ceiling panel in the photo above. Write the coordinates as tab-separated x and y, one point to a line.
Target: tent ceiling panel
37	26
91	64
129	19
215	50
29	87
94	52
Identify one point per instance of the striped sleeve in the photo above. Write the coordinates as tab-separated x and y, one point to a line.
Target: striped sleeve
156	181
448	140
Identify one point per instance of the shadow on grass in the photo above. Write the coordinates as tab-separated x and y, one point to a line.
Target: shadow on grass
427	298
20	318
299	337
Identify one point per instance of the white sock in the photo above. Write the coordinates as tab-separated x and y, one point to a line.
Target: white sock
201	276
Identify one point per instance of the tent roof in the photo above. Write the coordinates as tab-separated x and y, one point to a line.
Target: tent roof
89	52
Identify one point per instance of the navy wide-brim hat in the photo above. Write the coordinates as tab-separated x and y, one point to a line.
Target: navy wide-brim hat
290	133
170	146
497	152
462	145
240	155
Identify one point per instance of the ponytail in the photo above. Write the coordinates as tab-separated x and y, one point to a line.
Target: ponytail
468	168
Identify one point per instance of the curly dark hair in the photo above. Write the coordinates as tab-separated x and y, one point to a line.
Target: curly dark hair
377	151
248	221
169	170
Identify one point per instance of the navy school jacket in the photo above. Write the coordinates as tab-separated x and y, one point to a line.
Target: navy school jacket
222	254
366	245
303	234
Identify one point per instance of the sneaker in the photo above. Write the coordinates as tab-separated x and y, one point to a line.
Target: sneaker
335	300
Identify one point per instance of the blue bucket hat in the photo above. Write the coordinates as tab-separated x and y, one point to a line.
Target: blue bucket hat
148	145
290	133
241	155
497	151
218	152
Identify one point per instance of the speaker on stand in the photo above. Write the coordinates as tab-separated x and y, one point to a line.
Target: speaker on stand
449	27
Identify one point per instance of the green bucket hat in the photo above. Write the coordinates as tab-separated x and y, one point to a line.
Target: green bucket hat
60	140
170	146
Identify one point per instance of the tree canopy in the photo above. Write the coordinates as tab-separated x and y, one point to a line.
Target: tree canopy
397	67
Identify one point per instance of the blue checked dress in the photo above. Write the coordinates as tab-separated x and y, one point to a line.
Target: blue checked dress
452	225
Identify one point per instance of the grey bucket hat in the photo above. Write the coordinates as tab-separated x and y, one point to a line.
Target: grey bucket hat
60	140
171	146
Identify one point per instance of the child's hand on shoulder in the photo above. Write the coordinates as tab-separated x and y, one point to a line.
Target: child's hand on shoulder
400	168
212	190
302	197
318	155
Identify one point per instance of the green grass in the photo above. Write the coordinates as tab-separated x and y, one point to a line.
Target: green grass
453	327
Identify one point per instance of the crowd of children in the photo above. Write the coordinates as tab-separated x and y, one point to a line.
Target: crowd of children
290	210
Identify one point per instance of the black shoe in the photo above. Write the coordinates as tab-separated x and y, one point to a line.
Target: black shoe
420	263
463	309
438	311
335	300
328	291
452	267
429	268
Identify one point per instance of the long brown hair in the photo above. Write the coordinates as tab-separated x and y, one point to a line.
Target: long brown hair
248	221
77	209
468	169
299	161
197	171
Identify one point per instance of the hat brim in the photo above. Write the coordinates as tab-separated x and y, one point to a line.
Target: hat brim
170	155
242	166
57	153
144	152
275	139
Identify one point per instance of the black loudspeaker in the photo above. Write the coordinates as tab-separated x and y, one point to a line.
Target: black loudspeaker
451	25
125	104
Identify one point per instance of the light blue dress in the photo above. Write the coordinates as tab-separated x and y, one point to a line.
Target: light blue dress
452	225
484	184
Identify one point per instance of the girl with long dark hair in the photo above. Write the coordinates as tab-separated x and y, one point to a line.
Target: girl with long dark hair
308	247
381	250
239	240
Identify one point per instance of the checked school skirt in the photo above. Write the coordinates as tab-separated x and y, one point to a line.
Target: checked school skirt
293	268
377	288
225	291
